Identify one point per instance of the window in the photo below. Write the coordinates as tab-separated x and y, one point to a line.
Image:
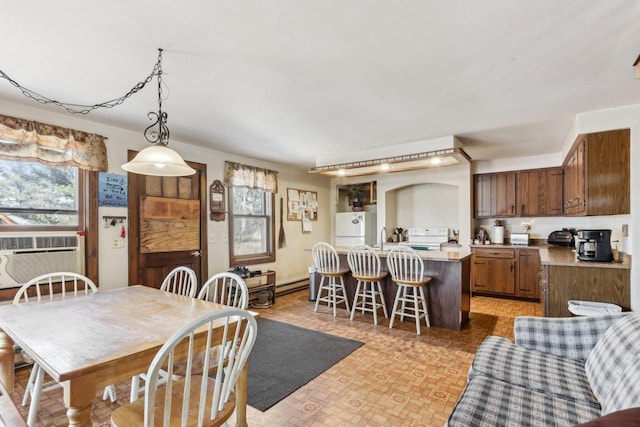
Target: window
36	196
251	225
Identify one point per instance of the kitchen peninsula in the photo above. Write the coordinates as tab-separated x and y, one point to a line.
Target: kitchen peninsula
448	293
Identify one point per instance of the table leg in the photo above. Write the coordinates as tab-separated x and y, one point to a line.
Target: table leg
7	362
241	396
78	397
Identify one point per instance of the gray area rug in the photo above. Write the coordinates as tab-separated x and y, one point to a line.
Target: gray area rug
286	357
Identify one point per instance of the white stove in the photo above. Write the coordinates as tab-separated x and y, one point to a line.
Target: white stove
430	238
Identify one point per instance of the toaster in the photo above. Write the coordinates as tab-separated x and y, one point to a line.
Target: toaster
564	237
519	239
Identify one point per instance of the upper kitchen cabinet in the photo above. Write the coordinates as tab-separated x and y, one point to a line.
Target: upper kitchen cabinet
539	192
495	195
596	174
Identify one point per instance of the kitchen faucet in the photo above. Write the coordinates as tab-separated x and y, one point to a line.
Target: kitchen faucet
384	230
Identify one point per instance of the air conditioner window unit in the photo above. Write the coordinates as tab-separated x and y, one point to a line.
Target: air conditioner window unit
24	257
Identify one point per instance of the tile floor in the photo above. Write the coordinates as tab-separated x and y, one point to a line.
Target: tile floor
395	379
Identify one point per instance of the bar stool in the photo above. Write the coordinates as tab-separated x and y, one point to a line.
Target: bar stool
364	263
407	270
327	263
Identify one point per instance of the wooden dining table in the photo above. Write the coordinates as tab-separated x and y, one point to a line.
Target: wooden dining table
88	342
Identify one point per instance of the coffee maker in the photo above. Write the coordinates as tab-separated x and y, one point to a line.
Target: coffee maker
594	245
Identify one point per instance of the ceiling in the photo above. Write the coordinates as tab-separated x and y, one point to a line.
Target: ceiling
291	80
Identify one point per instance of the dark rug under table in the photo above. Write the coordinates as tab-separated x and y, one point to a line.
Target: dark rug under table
286	357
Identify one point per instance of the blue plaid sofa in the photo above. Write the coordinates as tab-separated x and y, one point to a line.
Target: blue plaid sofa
559	372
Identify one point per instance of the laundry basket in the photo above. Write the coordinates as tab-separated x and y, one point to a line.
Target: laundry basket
592	308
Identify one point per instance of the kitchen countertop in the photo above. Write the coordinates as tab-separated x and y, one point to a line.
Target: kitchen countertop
454	254
563	256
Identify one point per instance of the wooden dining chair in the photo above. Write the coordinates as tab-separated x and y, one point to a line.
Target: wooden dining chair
226	289
44	288
407	270
195	399
182	281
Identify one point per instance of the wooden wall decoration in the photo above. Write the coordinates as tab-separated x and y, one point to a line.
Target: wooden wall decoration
168	224
302	204
216	201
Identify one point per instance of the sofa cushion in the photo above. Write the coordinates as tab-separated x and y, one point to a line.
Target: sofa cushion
613	366
490	402
561	377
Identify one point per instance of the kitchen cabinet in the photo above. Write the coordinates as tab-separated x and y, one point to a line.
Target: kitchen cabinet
528	284
495	195
562	283
493	271
596	174
539	192
506	272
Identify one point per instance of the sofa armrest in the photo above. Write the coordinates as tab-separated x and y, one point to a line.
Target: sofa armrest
572	337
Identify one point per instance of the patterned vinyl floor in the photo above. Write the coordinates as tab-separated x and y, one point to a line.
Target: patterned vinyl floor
396	379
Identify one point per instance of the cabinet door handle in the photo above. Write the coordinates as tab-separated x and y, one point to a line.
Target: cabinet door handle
478	263
513	208
522	208
511	269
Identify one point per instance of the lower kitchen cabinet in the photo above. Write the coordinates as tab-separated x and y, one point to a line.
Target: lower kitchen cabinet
528	274
506	272
562	283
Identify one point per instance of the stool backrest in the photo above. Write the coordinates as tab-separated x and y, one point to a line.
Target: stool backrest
363	261
405	265
325	258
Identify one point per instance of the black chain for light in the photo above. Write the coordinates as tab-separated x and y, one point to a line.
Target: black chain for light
86	109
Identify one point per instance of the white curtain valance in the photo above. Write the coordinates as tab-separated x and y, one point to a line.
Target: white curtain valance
28	140
237	174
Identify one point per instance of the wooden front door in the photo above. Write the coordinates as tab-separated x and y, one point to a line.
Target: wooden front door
167	225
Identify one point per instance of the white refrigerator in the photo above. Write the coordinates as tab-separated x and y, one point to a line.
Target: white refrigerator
355	228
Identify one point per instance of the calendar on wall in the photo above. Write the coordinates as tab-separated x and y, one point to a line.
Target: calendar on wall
302	205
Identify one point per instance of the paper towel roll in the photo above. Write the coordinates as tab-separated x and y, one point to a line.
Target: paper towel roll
498	234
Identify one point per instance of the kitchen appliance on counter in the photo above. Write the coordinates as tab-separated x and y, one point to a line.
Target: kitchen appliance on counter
594	245
519	239
564	237
355	228
427	238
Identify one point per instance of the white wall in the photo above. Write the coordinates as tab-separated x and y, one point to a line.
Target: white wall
291	262
427	206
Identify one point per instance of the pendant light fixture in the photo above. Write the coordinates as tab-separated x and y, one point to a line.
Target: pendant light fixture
158	160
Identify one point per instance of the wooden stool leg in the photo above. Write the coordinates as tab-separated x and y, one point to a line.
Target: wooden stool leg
374	302
416	309
382	301
424	307
355	299
344	292
395	306
319	294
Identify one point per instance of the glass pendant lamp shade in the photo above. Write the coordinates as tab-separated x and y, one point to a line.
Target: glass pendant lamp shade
158	160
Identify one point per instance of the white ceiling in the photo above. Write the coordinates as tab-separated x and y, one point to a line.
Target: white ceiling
292	80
